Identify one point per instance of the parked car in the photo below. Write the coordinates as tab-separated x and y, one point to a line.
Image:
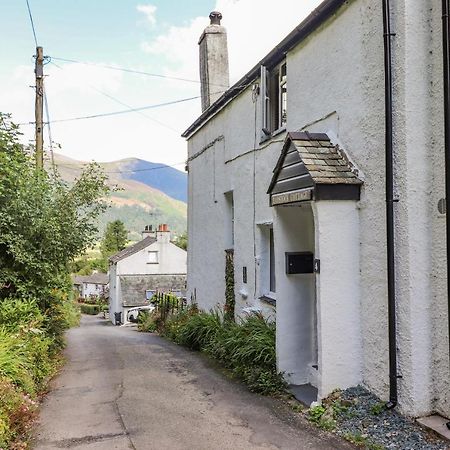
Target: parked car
133	313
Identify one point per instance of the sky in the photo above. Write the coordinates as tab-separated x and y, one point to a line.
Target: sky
157	37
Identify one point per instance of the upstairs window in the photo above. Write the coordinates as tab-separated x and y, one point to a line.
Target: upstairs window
274	99
153	258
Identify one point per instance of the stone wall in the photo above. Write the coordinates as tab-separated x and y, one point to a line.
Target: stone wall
133	287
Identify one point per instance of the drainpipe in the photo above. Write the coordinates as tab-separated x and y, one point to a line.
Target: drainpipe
446	56
393	391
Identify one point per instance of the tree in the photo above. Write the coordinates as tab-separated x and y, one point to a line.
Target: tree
44	222
114	239
181	241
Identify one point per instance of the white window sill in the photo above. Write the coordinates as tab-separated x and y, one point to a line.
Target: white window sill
272	134
269	298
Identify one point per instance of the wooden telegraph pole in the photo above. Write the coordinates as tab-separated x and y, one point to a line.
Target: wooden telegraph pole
39	105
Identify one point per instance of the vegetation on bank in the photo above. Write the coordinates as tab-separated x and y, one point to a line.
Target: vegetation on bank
44	225
246	347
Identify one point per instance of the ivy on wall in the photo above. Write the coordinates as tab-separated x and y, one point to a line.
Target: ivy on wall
229	285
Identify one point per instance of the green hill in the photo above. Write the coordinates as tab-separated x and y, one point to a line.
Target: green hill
137	203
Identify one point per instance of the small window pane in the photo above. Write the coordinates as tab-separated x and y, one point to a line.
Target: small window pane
272	262
153	257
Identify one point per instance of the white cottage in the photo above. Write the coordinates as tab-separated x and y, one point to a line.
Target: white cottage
152	264
94	285
320	176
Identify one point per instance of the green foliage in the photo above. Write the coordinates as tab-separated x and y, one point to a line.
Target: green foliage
86	265
44	223
148	321
378	408
229	285
181	241
114	238
246	348
87	308
17	410
16	314
315	413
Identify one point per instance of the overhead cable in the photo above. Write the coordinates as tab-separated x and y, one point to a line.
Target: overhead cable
105	94
32	23
138	72
124	111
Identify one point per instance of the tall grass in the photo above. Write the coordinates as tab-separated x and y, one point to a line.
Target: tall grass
247	348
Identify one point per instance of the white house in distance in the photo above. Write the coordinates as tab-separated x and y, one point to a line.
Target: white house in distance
290	173
94	285
152	264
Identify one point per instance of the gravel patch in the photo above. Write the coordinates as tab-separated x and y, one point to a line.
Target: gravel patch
360	414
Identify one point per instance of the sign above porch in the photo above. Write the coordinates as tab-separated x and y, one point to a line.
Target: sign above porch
310	167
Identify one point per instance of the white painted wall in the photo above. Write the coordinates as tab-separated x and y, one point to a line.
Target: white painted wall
338	295
296	297
92	289
336	85
171	260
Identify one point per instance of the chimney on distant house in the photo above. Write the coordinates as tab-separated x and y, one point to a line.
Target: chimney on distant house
163	233
148	231
214	75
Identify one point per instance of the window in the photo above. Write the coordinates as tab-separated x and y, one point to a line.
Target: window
274	99
153	258
266	263
272	284
229	225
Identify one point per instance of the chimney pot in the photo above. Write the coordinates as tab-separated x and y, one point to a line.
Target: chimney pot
215	17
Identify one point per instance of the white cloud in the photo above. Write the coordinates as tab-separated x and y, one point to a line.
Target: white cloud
149	11
254	28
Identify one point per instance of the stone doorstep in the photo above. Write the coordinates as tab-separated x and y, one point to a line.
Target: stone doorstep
436	423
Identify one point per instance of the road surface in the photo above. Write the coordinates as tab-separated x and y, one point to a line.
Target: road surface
121	389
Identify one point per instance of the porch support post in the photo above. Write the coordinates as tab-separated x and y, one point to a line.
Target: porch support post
338	295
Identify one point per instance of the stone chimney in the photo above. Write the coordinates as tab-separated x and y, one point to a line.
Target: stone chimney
163	234
214	75
148	231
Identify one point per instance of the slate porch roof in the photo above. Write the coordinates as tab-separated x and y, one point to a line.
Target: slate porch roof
132	249
311	159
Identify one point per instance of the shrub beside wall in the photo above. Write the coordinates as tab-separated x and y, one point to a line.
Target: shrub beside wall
246	348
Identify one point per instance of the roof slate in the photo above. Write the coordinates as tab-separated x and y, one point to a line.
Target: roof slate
132	249
95	278
325	162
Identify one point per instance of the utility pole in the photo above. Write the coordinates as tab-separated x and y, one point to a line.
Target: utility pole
38	109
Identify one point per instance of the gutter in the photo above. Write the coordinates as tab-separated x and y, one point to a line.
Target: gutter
446	73
390	200
322	13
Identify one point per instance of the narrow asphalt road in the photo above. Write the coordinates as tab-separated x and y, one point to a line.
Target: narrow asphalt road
121	389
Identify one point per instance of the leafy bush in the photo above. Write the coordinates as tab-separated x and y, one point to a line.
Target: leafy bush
16	412
18	313
246	348
87	308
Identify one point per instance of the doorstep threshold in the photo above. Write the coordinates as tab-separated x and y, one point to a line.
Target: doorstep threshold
436	423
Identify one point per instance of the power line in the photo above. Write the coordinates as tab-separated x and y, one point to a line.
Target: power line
124	104
32	23
165	166
124	111
49	129
138	72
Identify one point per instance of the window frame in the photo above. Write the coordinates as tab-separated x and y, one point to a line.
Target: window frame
273	100
153	252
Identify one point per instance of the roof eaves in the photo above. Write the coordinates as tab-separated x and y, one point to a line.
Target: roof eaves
318	16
